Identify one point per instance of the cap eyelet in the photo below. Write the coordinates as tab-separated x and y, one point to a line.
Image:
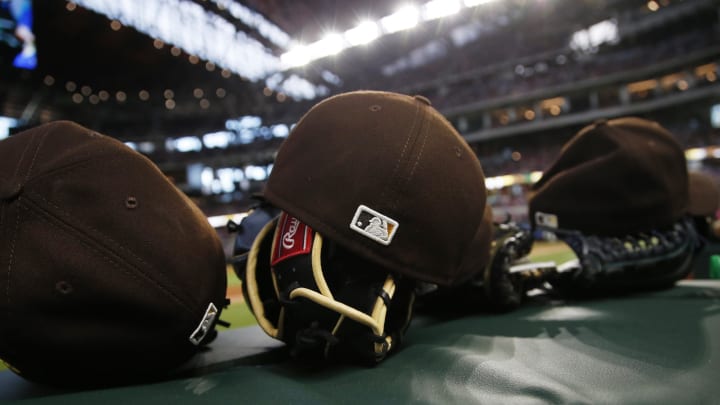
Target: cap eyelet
458	152
131	202
375	108
63	287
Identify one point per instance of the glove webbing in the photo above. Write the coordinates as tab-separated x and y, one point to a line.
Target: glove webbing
638	261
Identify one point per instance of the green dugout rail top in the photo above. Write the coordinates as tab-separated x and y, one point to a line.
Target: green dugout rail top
661	347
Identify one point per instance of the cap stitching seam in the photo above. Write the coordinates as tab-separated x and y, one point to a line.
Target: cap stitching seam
400	157
17	218
35	155
115	264
10	264
420	153
111	241
22	157
424	132
77	166
113	261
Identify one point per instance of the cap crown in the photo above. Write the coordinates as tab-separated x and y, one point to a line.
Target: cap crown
386	176
107	267
614	177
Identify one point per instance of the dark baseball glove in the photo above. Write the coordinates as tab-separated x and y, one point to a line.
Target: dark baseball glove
323	301
502	285
608	266
604	266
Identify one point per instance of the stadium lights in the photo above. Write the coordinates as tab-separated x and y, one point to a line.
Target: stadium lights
252	19
694	154
364	33
587	40
297	56
219	221
300	55
473	3
715	117
185	144
440	8
331	44
498	182
405	18
6	124
188	27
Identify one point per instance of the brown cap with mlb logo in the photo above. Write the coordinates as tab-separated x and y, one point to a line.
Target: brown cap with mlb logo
614	177
109	273
389	178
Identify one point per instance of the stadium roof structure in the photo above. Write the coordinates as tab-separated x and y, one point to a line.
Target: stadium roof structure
167	67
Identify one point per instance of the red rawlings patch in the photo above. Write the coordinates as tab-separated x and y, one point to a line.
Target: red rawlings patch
291	239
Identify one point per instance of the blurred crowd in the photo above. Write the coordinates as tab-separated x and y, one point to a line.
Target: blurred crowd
481	71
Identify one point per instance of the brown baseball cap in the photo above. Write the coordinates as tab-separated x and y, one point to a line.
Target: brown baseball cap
704	195
389	178
109	273
614	177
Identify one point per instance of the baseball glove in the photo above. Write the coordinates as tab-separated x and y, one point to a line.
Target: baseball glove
323	301
502	285
604	266
618	265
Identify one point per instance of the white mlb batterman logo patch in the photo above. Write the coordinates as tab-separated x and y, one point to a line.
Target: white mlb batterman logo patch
547	220
374	225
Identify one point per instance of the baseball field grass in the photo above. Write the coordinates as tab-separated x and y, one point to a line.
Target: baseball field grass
238	314
551	251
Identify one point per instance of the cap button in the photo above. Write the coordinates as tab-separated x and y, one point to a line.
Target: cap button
422	99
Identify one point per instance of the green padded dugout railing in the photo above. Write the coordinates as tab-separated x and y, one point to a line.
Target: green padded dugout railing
661	347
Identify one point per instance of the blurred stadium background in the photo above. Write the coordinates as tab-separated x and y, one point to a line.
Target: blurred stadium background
208	89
